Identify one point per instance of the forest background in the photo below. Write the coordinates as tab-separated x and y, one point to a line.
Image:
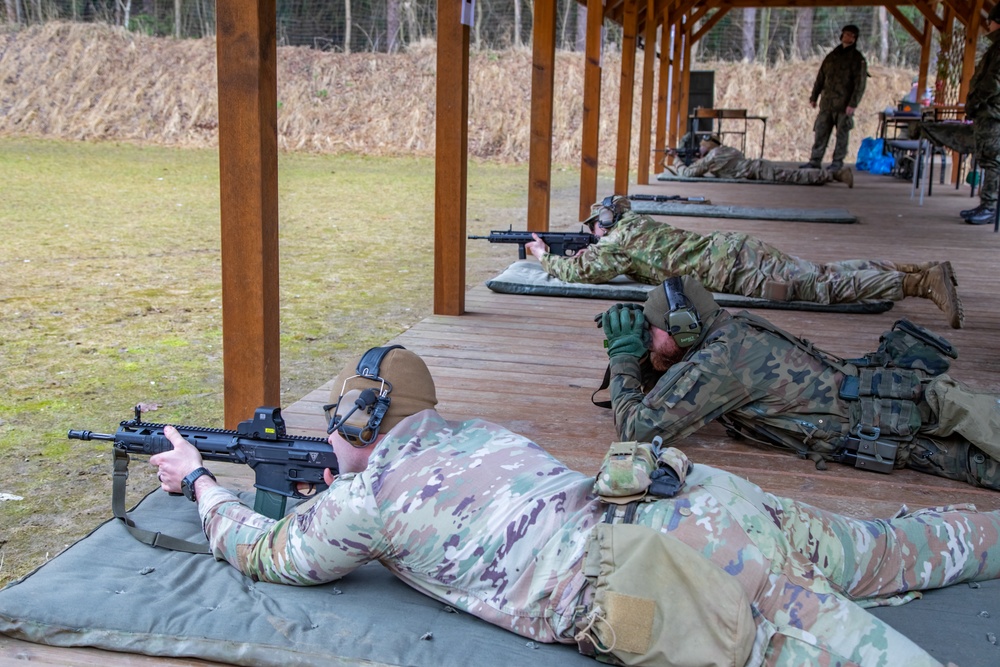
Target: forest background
109	202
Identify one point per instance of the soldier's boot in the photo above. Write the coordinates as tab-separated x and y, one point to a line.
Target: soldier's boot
984	216
909	267
845	175
969	212
954	459
938	285
811	165
836	166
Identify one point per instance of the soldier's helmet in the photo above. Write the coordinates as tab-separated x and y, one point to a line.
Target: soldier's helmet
607	212
688	317
374	393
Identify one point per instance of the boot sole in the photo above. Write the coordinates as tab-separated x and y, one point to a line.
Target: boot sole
949	273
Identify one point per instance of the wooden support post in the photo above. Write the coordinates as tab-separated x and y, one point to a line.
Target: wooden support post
685	35
246	55
646	101
451	158
678	114
972	28
661	98
630	26
591	107
543	62
925	59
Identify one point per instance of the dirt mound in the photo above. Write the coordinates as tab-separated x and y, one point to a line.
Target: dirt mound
103	83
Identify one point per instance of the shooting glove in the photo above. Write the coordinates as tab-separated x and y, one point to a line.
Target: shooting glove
625	330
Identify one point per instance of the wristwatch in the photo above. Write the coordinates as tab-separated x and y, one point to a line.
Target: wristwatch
187	484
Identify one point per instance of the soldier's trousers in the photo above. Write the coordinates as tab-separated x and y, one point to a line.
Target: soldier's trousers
986	133
846	281
765	170
805	569
826	121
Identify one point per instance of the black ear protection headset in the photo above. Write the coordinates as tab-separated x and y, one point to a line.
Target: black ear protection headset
607	204
375	403
683	323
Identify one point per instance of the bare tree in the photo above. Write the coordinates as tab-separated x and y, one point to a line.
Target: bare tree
392	26
883	42
517	23
11	11
803	31
177	19
347	26
581	28
749	34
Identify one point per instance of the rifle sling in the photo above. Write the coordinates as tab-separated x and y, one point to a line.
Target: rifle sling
155	539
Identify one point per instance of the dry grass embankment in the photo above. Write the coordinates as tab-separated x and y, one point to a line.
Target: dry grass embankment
102	83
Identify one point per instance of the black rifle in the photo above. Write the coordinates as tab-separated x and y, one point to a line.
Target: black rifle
663	198
559	243
280	462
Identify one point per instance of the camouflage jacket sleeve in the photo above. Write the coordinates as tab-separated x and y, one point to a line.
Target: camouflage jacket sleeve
820	81
286	551
690	395
860	77
721	161
699	167
983	100
598	263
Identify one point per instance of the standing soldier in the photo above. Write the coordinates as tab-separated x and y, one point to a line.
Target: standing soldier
982	106
839	86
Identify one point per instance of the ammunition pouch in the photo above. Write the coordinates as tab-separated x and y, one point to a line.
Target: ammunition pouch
867	452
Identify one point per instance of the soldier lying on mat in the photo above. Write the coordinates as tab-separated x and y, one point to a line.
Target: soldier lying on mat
708	569
649	251
728	162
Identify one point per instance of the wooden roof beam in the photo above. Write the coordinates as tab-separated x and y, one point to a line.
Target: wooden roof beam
905	22
709	24
929	11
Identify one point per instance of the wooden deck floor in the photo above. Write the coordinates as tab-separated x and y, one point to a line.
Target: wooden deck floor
532	363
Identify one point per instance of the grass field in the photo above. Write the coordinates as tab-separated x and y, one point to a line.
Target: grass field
110	296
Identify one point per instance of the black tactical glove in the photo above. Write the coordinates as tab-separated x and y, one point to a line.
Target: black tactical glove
625	330
664	483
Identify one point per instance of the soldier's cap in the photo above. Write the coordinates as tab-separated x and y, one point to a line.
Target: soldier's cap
412	387
851	28
994	14
656	308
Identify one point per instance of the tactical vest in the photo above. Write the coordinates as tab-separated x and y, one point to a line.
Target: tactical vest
884	390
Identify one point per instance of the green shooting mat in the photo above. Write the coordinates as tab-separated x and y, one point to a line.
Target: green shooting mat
832	215
528	277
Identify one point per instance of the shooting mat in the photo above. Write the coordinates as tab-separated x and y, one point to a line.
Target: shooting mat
831	215
110	591
528	277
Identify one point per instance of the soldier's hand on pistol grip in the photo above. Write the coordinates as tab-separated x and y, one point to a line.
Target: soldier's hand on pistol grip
625	329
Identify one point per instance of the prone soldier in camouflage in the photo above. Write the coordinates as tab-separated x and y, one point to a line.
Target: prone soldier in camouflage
721	161
840	85
893	408
982	105
486	521
649	251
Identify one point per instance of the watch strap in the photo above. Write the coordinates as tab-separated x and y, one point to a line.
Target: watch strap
187	484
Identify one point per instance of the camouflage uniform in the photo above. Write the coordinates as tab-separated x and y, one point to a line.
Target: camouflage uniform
649	251
983	107
486	521
729	162
777	393
840	83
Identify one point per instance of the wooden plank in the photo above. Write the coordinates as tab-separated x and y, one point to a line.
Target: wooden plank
630	28
248	171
